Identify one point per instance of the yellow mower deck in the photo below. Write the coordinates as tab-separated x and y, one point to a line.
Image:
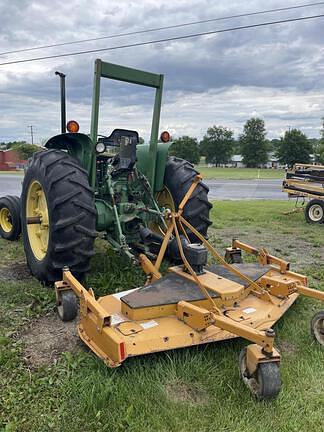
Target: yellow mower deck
146	320
195	304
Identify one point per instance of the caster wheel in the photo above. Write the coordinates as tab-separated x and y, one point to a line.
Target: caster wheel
233	256
265	383
317	327
67	307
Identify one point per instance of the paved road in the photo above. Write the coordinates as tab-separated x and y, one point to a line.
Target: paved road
10	184
245	189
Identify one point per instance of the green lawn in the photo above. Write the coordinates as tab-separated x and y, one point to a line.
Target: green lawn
240	173
223	173
12	172
195	389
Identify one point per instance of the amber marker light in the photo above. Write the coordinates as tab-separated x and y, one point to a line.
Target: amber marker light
165	136
73	126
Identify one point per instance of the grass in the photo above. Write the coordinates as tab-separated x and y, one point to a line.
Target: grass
223	173
12	172
240	173
194	389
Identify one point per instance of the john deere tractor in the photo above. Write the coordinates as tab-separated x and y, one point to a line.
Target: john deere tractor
83	186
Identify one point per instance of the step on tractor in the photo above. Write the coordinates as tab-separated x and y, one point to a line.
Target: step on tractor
305	183
148	206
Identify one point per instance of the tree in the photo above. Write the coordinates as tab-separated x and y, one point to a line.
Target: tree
253	143
25	150
186	148
217	145
294	147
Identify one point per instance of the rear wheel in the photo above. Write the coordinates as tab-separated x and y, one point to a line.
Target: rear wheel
58	216
314	211
178	177
10	226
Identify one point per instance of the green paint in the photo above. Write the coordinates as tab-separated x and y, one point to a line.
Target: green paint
124	200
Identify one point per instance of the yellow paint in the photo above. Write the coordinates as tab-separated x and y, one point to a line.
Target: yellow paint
164	200
36	206
5	220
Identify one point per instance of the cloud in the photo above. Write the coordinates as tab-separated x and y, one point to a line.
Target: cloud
221	79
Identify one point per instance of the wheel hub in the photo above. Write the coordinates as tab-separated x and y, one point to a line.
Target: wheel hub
5	220
36	207
316	212
164	200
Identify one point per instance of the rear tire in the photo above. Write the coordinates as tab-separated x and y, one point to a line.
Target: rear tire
178	177
10	225
314	211
70	222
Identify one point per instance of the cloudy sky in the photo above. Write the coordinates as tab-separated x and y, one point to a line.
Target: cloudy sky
272	72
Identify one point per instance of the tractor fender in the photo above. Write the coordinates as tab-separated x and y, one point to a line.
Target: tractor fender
144	161
77	145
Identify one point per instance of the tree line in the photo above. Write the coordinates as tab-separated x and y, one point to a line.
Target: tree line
219	145
23	148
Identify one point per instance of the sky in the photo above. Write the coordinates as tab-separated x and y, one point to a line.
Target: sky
273	72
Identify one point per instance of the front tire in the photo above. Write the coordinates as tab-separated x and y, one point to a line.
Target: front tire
10	225
178	177
58	216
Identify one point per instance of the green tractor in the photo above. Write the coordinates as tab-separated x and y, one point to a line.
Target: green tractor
83	186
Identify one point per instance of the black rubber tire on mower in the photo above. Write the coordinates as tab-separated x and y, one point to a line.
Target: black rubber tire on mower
71	211
265	384
67	307
317	203
178	177
317	327
12	204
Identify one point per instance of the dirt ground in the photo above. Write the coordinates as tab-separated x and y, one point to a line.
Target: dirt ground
47	338
179	391
18	271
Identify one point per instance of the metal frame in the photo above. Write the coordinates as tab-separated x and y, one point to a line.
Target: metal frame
132	76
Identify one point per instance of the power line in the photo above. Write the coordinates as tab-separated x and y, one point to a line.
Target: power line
263	12
170	39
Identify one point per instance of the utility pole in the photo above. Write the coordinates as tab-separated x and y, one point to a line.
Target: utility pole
31	133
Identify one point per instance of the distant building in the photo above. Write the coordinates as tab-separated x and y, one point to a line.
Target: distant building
10	160
236	161
272	162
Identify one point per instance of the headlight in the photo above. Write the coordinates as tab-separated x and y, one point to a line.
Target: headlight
100	147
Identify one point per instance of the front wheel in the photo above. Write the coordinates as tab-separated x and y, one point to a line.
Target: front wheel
178	177
10	226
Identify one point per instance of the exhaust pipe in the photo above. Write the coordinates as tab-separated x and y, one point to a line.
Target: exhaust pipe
63	105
